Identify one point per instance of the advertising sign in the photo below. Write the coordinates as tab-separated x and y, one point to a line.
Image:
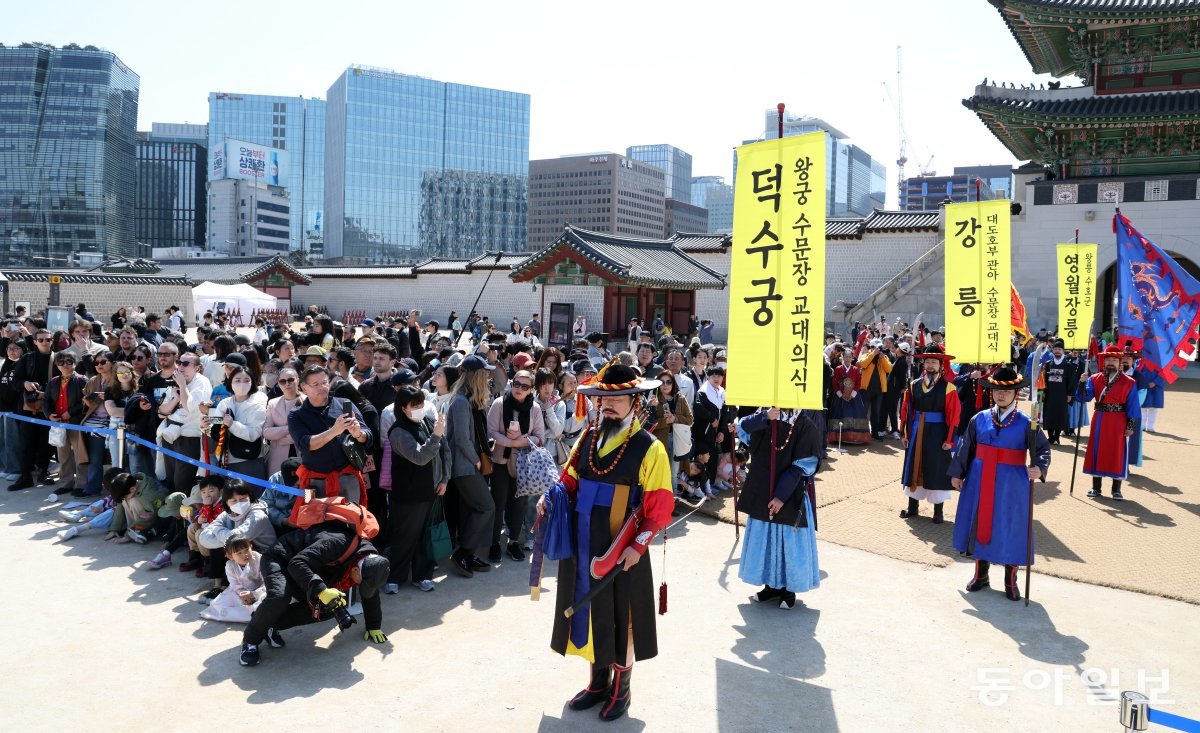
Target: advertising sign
250	162
216	169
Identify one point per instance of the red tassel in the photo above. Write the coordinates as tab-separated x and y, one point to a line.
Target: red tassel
662	599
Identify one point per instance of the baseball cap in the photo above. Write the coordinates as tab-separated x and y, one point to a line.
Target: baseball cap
369	323
474	363
401	377
241	339
522	361
234	359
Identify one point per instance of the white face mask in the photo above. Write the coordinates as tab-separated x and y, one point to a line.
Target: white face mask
418	414
269	379
241	389
240	507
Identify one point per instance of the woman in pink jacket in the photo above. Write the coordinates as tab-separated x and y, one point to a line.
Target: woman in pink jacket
275	430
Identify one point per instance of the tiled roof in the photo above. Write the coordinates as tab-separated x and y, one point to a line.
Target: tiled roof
883	221
630	260
358	272
692	242
443	265
93	278
228	271
1126	107
1124	6
508	260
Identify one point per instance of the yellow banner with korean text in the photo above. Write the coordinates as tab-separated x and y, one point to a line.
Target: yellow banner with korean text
1076	293
777	275
979	281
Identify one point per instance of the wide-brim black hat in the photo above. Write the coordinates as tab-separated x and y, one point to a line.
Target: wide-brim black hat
1004	378
617	379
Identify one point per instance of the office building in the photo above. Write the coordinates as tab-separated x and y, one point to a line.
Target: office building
601	192
681	216
401	150
718	200
172	165
700	187
926	193
674	163
997	177
68	136
854	180
247	218
292	124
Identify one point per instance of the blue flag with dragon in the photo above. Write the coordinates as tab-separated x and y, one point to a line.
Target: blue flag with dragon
1158	302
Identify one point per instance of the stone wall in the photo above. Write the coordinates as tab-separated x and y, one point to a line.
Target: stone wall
104	299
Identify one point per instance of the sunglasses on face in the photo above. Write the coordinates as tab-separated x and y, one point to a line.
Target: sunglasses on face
187	362
522	385
124	373
65	361
42	341
99	362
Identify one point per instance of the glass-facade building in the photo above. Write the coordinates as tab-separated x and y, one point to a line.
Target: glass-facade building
294	124
404	153
171	174
675	163
68	134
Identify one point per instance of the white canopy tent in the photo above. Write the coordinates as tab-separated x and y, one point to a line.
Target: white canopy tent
241	297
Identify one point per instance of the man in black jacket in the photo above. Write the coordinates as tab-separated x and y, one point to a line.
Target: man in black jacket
304	575
32	374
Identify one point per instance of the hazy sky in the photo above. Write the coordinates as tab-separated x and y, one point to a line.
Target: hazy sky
602	76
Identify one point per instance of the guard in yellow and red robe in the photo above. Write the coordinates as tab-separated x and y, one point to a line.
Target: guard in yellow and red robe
929	418
1117	412
616	470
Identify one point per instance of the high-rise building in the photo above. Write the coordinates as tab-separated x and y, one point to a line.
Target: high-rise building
719	202
675	163
603	192
997	177
854	181
401	153
292	124
700	186
172	165
926	193
247	218
68	136
681	216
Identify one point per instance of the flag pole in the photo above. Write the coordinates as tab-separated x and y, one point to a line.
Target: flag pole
1031	443
1075	404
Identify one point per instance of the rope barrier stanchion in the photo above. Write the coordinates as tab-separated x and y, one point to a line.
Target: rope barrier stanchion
1136	715
120	457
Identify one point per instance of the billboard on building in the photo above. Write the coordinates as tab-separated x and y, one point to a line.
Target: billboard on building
245	161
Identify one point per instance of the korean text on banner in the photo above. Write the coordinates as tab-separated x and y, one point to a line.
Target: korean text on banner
978	281
777	274
1076	293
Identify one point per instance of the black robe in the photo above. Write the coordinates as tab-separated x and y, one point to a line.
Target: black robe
1061	381
802	441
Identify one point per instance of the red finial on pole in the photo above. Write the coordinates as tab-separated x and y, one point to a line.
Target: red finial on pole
978	188
780	108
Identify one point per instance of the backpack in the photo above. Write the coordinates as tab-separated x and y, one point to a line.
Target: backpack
335	509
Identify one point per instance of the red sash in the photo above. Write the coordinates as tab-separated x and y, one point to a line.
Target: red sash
992	456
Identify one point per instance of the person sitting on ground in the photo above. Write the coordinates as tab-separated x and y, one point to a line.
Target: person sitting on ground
242	517
315	566
236	604
280	503
136	499
205	506
97	515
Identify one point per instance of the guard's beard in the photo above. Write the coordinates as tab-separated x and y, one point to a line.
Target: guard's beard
612	425
1110	371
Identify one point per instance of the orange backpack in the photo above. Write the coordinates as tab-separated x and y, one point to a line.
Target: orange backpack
335	509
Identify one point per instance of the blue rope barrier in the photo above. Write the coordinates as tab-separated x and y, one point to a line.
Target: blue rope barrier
1177	722
69	426
165	451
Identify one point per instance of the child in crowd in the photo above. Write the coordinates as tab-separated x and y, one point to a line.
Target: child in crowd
280	503
201	509
97	515
725	469
245	591
136	499
695	480
175	526
242	516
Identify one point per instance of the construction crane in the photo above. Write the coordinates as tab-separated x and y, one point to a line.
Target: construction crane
905	143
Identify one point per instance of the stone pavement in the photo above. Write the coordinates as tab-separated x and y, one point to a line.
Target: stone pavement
882	645
1146	543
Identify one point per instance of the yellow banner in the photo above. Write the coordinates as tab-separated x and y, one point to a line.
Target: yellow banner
1076	293
979	281
777	275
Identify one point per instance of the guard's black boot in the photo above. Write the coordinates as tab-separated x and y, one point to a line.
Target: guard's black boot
937	514
981	580
1010	583
911	511
618	693
766	594
1095	493
596	691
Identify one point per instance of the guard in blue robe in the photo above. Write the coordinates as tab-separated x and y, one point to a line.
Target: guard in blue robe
1151	389
990	470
